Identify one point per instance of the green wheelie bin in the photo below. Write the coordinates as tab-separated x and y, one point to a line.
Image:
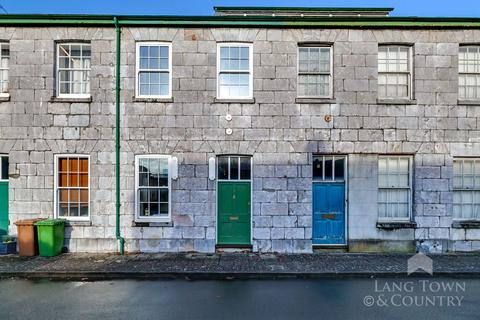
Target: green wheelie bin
51	233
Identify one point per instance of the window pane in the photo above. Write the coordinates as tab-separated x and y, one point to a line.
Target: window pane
328	168
234	84
4	168
233	168
394	187
164	195
318	168
222	168
163	172
74	68
245	168
164	208
339	168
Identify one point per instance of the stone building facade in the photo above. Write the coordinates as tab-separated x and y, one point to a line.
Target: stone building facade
282	132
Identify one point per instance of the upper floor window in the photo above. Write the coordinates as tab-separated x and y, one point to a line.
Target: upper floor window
72	187
154	70
234	71
153	188
466	188
469	73
394	72
394	187
315	72
4	66
73	69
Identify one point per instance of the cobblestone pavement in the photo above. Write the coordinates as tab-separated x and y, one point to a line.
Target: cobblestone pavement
226	265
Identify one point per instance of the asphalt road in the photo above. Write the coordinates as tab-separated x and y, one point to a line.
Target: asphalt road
408	298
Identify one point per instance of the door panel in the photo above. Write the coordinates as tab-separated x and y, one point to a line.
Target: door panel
328	213
3	208
234	227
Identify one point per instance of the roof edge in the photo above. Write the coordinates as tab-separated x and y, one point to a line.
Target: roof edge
320	9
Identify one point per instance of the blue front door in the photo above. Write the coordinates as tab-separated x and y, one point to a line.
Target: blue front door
328	213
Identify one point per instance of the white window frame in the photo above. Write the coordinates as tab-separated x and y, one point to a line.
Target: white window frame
409	73
58	69
139	218
1	172
5	94
138	70
410	189
55	191
250	69
473	189
474	73
330	73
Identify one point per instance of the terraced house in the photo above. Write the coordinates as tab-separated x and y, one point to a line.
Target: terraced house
270	129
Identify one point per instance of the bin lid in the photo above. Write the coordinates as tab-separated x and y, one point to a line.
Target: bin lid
50	222
28	222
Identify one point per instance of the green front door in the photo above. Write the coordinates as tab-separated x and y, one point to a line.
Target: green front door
234	174
3	195
234	213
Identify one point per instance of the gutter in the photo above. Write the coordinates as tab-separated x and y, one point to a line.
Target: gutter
236	21
117	138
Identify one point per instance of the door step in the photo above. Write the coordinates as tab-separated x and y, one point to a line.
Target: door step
234	249
328	249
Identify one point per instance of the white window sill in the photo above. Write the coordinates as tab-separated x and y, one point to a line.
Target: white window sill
137	223
466	224
315	100
396	224
468	102
234	100
80	223
396	101
4	97
66	99
153	99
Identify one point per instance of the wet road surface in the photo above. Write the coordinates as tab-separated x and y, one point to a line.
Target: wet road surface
389	298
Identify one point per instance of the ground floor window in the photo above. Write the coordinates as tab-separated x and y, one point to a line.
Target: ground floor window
466	188
153	188
72	187
394	188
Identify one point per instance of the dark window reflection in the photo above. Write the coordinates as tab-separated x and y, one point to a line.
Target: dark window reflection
223	168
233	168
245	168
4	169
318	168
328	168
339	168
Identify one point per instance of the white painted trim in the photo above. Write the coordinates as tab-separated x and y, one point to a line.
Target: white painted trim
463	159
137	68
57	72
410	190
138	218
330	78
250	68
55	183
346	190
223	180
409	73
